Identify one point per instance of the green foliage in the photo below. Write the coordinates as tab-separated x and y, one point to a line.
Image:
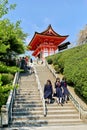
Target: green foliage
11	39
8	69
0	80
57	68
49	60
6	78
5	7
73	64
12	43
4	93
3	98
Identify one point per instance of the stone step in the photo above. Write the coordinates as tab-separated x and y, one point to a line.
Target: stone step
51	112
61	108
30	98
28	102
27	93
27	96
27	109
26	114
27	105
29	88
30	79
39	106
44	122
35	106
35	102
28	85
24	76
41	116
58	105
62	111
33	81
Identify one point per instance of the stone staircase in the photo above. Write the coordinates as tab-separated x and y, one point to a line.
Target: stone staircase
57	114
28	109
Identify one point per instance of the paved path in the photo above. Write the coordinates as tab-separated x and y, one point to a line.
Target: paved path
75	127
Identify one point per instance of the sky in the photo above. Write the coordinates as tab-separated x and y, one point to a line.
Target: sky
67	17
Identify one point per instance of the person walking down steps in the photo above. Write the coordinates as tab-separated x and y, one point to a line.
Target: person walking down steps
48	91
59	93
65	90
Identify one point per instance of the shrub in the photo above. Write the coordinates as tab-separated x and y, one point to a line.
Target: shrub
49	60
57	69
4	93
73	64
8	69
6	78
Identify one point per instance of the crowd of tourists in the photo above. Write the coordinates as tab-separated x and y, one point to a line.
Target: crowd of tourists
60	92
25	64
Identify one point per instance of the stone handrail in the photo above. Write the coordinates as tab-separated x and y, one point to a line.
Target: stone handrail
41	92
6	110
79	107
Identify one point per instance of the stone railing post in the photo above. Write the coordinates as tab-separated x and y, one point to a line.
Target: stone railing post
4	115
6	110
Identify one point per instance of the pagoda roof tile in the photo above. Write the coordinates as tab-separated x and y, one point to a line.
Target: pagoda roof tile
49	34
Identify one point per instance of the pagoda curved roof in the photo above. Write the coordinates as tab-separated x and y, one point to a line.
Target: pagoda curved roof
48	35
50	31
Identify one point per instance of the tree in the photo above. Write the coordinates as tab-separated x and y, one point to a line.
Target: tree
12	39
12	42
82	37
5	7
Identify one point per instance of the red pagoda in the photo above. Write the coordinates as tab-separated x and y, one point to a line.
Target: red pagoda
45	43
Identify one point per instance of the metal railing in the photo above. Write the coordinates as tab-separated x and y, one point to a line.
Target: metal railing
51	70
41	92
82	110
77	105
6	110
